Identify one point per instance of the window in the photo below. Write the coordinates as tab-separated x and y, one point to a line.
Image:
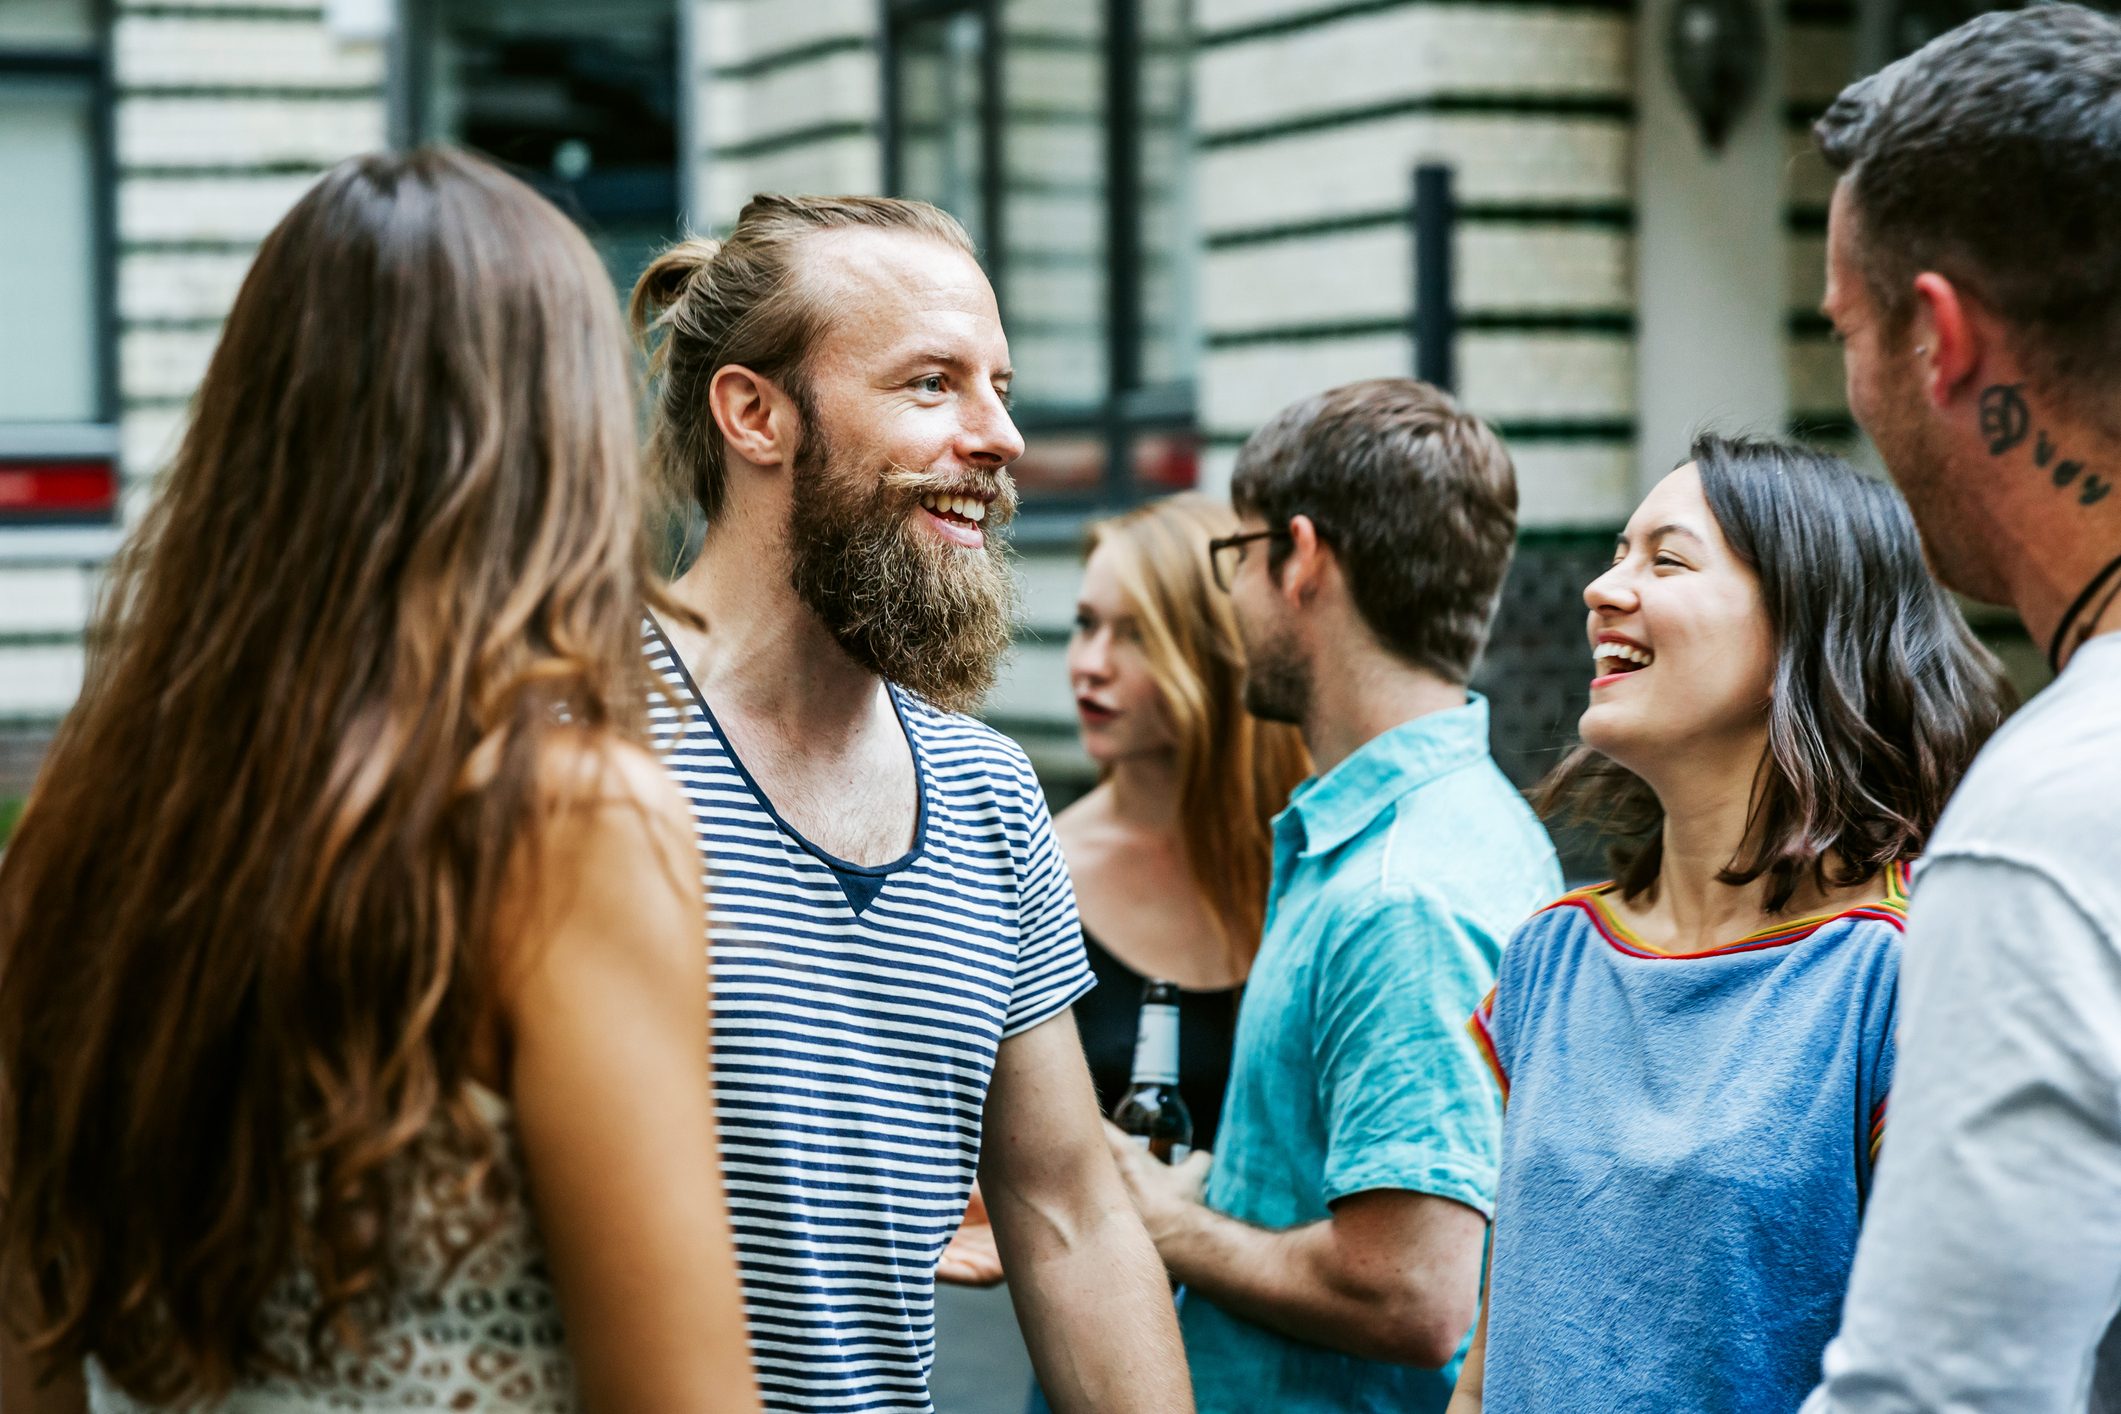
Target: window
1059	132
582	101
57	448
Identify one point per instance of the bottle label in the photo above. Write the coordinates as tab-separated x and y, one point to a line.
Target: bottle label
1156	1045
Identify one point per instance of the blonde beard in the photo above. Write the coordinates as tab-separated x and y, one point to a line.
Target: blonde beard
930	617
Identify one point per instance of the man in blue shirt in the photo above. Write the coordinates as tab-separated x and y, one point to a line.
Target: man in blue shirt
1331	1248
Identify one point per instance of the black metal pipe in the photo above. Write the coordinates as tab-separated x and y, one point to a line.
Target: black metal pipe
1435	312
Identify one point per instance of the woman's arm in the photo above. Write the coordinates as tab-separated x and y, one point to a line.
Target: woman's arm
606	1012
1473	1374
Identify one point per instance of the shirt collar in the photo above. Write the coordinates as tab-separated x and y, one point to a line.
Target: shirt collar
1327	811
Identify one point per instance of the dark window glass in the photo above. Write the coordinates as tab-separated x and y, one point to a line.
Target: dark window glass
580	100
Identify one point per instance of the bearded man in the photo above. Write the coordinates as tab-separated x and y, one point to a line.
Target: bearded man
894	940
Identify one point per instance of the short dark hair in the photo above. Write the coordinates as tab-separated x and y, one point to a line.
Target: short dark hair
1992	155
1881	697
1416	497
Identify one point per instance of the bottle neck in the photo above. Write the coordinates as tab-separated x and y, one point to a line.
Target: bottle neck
1156	1045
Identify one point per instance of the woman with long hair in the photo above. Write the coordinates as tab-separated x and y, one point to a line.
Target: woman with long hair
1171	851
1695	1057
353	999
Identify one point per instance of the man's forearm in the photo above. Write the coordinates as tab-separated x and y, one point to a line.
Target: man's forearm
1095	1308
1297	1282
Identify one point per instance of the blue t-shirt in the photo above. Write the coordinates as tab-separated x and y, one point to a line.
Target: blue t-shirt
1397	875
857	1013
1686	1151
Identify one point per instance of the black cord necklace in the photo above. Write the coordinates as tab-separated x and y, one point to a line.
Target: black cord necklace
2076	610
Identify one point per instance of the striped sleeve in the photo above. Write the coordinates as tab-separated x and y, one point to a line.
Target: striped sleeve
1052	973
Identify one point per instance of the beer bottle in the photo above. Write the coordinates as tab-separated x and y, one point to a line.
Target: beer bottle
1152	1110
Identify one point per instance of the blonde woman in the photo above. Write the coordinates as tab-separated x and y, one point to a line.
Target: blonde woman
1170	852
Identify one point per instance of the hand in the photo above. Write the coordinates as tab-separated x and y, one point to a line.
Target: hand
972	1259
1164	1194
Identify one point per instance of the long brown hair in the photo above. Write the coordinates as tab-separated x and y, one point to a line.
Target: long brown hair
244	923
1234	771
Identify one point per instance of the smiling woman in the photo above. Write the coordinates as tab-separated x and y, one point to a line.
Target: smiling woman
1776	596
1696	1057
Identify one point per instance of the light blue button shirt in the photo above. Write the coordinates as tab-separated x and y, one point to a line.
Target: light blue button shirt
1397	877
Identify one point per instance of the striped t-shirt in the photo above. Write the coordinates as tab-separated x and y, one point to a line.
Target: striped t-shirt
857	1012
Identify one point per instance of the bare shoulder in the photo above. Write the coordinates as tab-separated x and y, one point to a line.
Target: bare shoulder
594	769
1083	826
612	860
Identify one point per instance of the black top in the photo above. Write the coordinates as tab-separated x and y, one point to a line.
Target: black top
1207	1030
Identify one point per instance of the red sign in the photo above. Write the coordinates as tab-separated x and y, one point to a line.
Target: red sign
71	490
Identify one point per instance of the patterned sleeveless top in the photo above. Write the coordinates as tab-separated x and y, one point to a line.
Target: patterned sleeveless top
480	1332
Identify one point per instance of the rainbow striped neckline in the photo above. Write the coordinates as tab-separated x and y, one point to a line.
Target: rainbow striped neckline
1890	909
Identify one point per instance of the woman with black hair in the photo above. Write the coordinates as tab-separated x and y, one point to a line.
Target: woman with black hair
1695	1057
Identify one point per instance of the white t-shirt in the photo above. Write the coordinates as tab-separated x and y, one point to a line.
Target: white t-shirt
1990	1261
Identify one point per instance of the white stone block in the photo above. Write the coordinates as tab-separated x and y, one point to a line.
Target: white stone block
1242	387
205	208
1212	15
125	7
751	28
1216	465
1044	294
837	88
147	441
1560	485
181	132
1502	376
1066	79
1418	51
1368	274
155	286
1328	279
1054	221
1034	686
1368	167
1511	377
1079	18
43	600
40	681
843	166
1046	585
1058	149
160	363
197	53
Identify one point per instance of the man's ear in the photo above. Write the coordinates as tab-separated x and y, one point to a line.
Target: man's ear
1309	561
1954	335
758	421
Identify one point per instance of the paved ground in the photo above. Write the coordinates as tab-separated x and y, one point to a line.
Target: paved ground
980	1365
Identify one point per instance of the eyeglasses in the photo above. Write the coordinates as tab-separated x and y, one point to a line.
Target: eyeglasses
1227	552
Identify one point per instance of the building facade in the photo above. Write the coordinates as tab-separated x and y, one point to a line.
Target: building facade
1194	211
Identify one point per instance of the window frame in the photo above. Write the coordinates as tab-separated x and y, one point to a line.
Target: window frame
1130	410
85	69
